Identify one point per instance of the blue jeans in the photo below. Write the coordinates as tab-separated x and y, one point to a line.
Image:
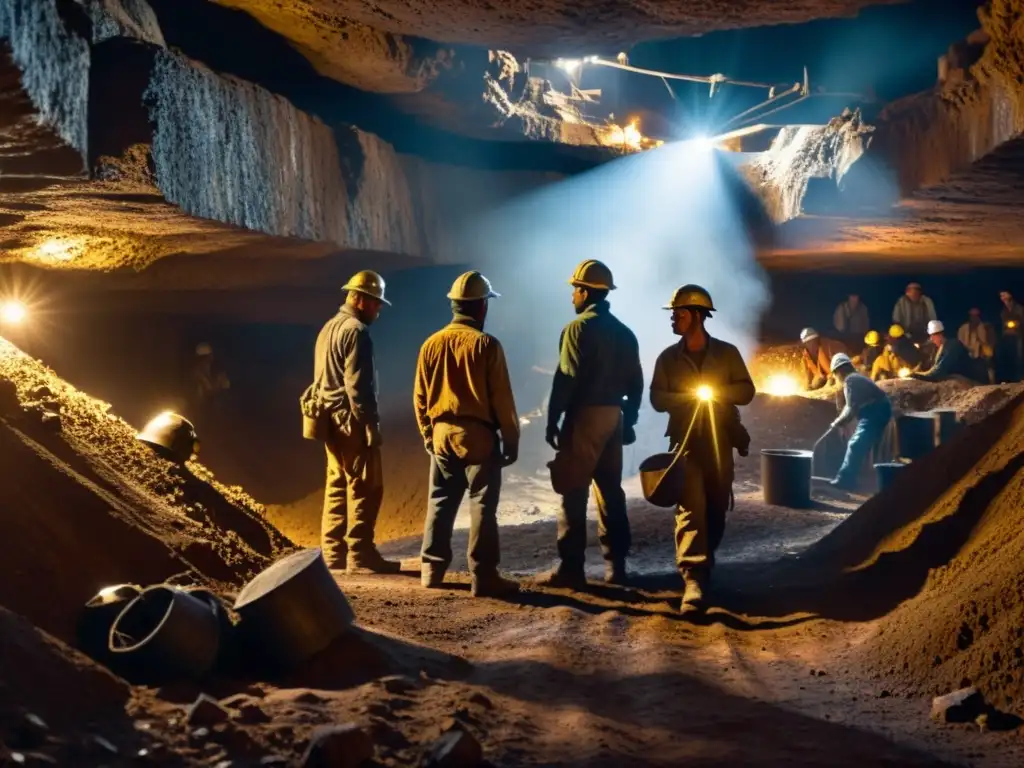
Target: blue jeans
870	429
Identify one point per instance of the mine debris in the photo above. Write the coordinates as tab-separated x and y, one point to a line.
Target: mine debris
960	706
338	746
206	711
455	749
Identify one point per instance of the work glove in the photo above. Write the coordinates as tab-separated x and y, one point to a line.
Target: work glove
628	435
551	436
373	436
509	455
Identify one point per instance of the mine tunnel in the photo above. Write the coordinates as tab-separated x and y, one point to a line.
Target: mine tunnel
186	185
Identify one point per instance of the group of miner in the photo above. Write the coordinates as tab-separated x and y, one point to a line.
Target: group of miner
917	344
467	418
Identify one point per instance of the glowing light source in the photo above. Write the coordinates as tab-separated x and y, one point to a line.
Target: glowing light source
13	312
1011	323
569	65
904	373
781	385
55	250
704	393
702	142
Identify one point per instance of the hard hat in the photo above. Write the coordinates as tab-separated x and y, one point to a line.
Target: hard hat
839	360
367	282
808	334
173	434
935	326
896	331
472	286
872	339
593	274
691	296
204	349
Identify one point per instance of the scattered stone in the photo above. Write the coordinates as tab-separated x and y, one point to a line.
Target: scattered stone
252	714
387	735
884	695
960	706
42	392
399	684
206	710
50	420
308	697
338	746
455	749
822	673
480	700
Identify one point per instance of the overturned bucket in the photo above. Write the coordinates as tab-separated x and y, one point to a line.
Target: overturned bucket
661	479
915	434
886	472
292	610
786	477
92	630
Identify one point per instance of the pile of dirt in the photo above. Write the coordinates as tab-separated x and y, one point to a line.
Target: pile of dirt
86	505
972	403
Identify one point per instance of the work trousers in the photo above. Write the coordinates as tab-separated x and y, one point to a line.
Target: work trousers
700	514
352	497
590	453
450	478
869	432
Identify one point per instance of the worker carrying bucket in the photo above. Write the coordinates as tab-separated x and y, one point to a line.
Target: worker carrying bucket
698	381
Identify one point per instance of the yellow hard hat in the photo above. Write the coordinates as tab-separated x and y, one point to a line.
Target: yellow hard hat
173	434
367	282
691	295
872	339
593	274
896	331
472	286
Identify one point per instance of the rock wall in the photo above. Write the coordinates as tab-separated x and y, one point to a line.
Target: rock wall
123	18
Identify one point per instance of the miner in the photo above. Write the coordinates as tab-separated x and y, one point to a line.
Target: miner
979	339
467	418
699	381
340	407
951	358
595	394
817	354
914	311
867	403
1011	340
851	319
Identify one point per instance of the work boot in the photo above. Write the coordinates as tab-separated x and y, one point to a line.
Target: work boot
564	578
432	575
693	594
370	562
615	572
493	584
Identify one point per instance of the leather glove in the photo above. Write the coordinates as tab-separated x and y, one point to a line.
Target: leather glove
509	455
628	435
373	436
551	436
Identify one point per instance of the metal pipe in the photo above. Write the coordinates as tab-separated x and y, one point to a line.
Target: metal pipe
773	99
706	79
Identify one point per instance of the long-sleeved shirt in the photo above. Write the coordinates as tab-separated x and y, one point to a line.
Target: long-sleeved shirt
859	391
461	373
1013	314
343	364
914	315
951	360
599	364
678	374
978	338
851	321
819	366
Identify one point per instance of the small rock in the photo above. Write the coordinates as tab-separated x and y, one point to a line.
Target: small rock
42	392
822	673
50	420
884	695
960	706
308	697
455	749
206	711
252	714
480	700
338	746
399	684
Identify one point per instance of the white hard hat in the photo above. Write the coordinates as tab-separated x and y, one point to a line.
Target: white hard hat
935	326
808	334
204	349
839	360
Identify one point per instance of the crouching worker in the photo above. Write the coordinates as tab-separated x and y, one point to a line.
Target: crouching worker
463	399
866	402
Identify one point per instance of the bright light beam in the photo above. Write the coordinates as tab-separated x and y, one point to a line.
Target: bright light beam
13	312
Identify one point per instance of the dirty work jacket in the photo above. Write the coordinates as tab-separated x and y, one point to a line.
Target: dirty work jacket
859	392
599	364
462	378
820	365
677	376
907	352
344	360
951	360
914	315
850	321
979	339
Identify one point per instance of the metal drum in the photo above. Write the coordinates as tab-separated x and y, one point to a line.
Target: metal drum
947	424
886	472
786	477
915	435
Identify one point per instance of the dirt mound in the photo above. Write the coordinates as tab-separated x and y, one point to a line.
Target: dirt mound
971	402
86	505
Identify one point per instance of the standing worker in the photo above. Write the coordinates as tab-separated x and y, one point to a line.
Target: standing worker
342	406
597	388
817	355
463	400
914	311
1011	341
866	402
851	319
978	337
699	381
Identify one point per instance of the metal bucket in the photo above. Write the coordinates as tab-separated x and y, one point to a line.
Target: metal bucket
947	423
661	479
886	472
292	610
915	435
166	633
786	477
92	630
